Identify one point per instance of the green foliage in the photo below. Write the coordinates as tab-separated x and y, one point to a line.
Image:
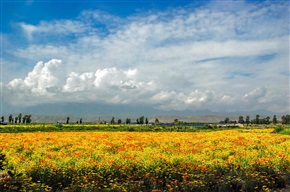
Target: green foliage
113	120
128	121
247	120
275	119
18	128
67	120
59	126
119	121
282	129
141	120
2	160
162	175
156	122
146	121
9	181
278	128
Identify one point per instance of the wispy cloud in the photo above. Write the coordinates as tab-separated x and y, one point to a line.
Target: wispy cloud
220	56
45	31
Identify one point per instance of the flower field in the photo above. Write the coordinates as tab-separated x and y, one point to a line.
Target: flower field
227	160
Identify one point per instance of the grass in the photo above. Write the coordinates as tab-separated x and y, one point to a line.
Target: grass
285	131
282	129
95	127
18	128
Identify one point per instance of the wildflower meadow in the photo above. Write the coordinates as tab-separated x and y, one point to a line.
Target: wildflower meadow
221	160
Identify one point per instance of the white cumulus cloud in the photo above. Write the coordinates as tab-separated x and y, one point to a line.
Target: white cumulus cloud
40	80
220	56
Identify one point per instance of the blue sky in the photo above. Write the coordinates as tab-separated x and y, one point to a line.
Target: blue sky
171	55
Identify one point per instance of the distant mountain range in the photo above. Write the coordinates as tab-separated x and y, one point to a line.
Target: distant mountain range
94	112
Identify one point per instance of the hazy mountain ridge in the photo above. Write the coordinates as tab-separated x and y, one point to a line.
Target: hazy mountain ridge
58	112
163	119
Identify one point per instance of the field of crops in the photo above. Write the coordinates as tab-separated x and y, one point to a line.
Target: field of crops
227	160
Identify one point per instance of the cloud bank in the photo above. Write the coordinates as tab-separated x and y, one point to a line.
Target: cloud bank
211	57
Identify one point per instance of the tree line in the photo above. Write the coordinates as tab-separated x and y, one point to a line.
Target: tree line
17	119
285	119
141	121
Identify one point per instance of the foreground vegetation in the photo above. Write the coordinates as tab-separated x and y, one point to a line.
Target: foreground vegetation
223	160
19	128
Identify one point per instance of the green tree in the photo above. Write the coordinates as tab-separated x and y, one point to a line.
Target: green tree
241	119
2	119
227	120
247	120
28	119
16	119
24	119
141	120
176	121
19	117
267	120
119	121
137	121
67	120
287	119
283	118
10	118
146	121
128	121
274	119
113	120
156	121
257	119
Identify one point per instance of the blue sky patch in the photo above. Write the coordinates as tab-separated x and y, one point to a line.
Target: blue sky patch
177	55
266	58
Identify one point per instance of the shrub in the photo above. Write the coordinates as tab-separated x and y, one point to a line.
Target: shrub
278	129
